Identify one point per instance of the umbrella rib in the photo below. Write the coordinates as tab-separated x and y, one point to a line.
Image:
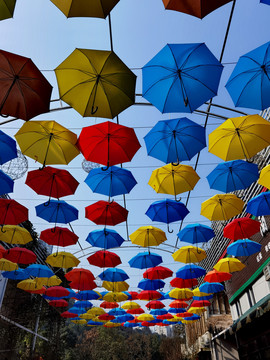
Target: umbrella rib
114	85
159	80
244	87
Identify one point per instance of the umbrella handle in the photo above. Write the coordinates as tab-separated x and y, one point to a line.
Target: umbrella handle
43	166
53	229
175	164
93	111
3	231
4	116
168	229
178	200
47	203
105	168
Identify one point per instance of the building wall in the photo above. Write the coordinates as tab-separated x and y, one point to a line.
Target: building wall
224	350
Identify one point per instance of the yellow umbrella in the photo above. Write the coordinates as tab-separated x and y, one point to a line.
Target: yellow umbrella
222	207
14	234
187	322
52	281
175	318
189	254
80	322
97	319
29	285
7	9
96	311
130	305
87	316
145	317
115	286
110	324
171	179
264	178
148	236
115	297
63	260
96	83
198	293
240	137
229	265
197	310
6	265
181	293
47	142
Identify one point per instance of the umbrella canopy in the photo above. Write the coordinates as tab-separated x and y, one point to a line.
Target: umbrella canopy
12	213
88	295
105	239
264	179
183	283
155	304
189	254
47	142
6	183
18	274
130	305
57	292
196	234
243	248
113	181
68	315
233	175
117	312
13	234
249	83
173	179
108	143
259	205
241	228
52	182
58	303
20	256
8	150
222	207
7	9
148	295
2	250
184	294
81	279
145	317
115	296
145	260
240	138
39	271
118	286
24	92
113	275
198	8
211	287
29	285
106	213
50	281
96	83
59	236
181	77
197	310
96	311
103	258
63	260
135	311
85	8
83	304
178	304
146	284
130	325
172	141
190	271
57	211
148	236
229	265
109	305
217	276
6	265
157	272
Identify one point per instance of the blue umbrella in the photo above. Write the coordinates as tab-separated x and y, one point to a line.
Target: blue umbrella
249	83
176	310
172	141
128	295
72	293
196	233
87	295
117	312
130	325
233	175
123	318
105	239
243	248
190	271
6	183
38	270
83	304
181	77
193	317
265	2
167	322
57	211
146	284
113	181
103	293
113	275
145	260
78	311
259	205
8	150
18	274
95	323
203	297
156	312
166	296
213	287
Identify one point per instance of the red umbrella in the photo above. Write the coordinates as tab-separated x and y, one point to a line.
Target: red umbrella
12	213
104	258
200	303
108	143
147	324
106	213
135	311
83	285
24	91
149	295
165	317
157	272
68	315
20	255
217	276
39	291
57	291
81	279
58	303
134	295
2	250
241	228
106	317
183	283
178	304
52	182
162	324
59	236
155	304
184	314
109	305
134	321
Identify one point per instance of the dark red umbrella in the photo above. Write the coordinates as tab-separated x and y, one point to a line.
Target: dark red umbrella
184	314
59	236
104	258
108	143
39	291
109	305
2	250
217	276
106	317
52	182
24	91
135	311
20	255
134	295
106	213
147	323
58	303
178	304
183	283
82	285
165	317
81	279
149	295
200	303
68	315
134	321
161	324
155	304
241	228
57	291
12	213
157	272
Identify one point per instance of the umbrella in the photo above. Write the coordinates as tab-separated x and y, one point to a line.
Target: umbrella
259	205
145	317
183	283
20	256
264	179
14	234
108	143
52	182
217	276
130	325
6	265
85	8
233	175
181	77
135	311
211	287
111	324
241	228
57	291
265	2
39	271
149	295
96	311
123	318
240	138
106	213
145	260
12	213
198	8
68	315
197	310
117	312
249	83
18	274
113	275
59	236
146	284
103	258
8	150
47	142
96	83
7	9
2	250
83	304
88	295
57	211
184	294
118	286
58	303
189	254
109	305
190	271
113	181
94	323
172	141
115	296
105	239
155	304
196	233
243	248
106	317
24	92
229	265
178	304
130	305
148	236
81	279
49	281
201	295
62	260
6	183
157	272
28	285
133	295
222	207
173	179
79	321
184	314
